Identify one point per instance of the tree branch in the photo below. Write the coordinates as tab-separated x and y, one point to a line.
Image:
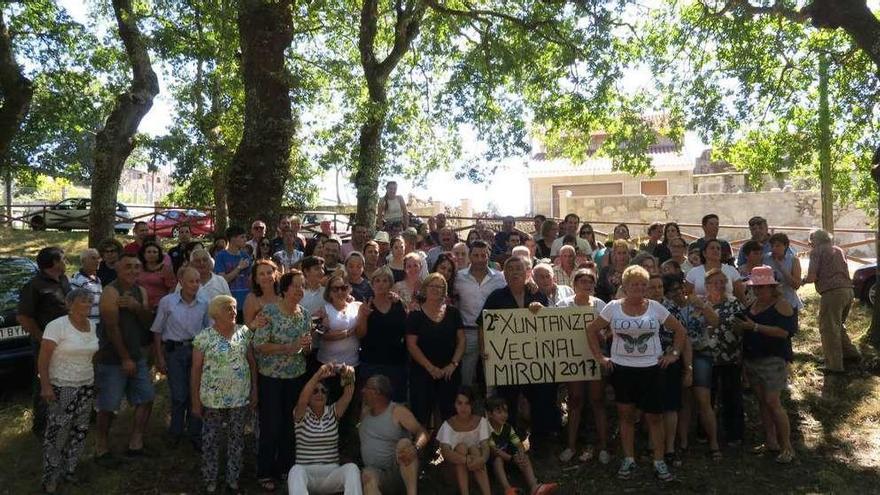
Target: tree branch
17	91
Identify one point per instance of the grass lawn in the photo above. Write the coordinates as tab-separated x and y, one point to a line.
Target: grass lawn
835	426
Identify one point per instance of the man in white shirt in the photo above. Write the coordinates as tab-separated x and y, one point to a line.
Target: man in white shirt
570	227
447	242
472	286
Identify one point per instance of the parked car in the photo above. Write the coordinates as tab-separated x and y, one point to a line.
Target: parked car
339	223
864	283
73	213
166	223
14	341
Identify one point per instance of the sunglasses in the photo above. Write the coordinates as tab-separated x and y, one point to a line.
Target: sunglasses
319	390
258	227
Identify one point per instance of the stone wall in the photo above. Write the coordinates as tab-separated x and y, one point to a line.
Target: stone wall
783	208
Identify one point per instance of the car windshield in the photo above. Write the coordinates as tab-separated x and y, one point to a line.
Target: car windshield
14	273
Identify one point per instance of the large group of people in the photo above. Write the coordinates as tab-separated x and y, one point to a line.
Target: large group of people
306	339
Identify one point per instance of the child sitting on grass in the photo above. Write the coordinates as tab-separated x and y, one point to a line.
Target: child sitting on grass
505	446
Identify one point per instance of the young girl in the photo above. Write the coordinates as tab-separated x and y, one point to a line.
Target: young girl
464	443
505	446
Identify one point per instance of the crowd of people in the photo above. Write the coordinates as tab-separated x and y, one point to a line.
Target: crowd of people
310	339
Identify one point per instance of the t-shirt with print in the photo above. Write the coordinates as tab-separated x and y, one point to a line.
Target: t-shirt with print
728	347
694	323
282	329
225	262
226	375
71	364
636	339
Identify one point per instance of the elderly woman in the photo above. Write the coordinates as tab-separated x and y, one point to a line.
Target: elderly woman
317	469
382	332
638	361
264	289
410	285
354	275
224	384
110	250
211	284
584	285
67	380
339	342
610	275
767	329
87	278
435	340
829	271
542	274
281	339
565	265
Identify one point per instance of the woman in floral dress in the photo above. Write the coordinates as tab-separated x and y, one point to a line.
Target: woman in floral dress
224	384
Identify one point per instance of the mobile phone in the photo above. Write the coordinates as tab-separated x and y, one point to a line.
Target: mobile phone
317	326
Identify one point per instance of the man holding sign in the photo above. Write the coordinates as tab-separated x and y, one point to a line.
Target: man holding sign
531	380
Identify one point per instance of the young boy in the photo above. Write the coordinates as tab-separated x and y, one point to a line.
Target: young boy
506	446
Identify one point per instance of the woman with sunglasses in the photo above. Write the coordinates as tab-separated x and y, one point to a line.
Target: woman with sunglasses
317	469
342	315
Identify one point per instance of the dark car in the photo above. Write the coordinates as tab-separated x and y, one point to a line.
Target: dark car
14	341
864	283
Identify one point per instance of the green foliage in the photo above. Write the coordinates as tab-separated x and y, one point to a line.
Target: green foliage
749	84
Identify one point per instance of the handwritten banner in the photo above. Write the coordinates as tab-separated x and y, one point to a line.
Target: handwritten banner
545	347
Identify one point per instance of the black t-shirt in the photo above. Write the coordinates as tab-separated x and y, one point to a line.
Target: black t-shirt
383	343
436	340
43	299
177	256
106	274
398	274
503	299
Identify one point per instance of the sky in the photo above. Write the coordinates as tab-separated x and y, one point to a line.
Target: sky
508	190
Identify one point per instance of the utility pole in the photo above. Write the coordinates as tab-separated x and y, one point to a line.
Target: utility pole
825	178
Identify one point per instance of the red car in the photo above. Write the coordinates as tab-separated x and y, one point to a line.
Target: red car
165	224
863	283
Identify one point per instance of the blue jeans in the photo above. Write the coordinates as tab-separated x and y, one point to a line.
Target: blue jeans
179	362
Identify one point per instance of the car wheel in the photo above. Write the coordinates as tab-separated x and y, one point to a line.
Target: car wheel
872	291
37	223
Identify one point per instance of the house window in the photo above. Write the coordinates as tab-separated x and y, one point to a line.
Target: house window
655	187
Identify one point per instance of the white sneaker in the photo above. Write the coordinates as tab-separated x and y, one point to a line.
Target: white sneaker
566	455
604	457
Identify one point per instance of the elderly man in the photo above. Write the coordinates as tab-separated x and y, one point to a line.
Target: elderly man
460	256
386	431
179	318
543	278
42	300
211	284
760	233
87	279
472	286
258	232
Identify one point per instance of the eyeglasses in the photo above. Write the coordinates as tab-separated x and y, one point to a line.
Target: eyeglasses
319	390
258	227
339	288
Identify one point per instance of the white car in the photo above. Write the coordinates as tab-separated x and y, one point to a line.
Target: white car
73	213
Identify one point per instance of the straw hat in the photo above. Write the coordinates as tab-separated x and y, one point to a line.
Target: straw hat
382	236
761	275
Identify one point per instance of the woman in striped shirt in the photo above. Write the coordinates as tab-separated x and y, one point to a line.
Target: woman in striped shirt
317	468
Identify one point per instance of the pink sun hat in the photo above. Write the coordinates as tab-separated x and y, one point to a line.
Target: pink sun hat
762	275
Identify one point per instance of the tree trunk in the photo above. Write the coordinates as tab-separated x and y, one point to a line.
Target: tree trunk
366	179
824	142
115	141
376	73
17	91
854	17
873	335
261	165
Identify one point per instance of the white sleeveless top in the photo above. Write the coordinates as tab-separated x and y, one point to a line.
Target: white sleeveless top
340	351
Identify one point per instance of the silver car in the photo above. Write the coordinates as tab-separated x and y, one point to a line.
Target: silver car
73	213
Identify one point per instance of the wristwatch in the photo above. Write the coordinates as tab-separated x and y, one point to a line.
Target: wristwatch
675	352
454	364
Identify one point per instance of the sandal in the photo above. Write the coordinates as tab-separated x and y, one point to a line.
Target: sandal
785	457
716	455
764	449
267	484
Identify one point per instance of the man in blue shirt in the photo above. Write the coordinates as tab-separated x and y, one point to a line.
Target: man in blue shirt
234	264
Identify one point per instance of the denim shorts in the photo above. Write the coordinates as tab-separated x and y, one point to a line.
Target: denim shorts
703	370
112	383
